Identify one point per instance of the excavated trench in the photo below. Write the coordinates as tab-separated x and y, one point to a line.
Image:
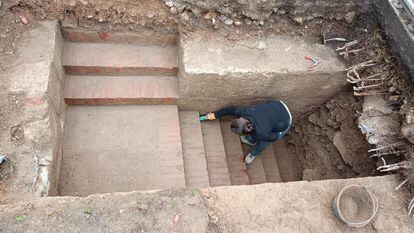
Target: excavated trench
133	105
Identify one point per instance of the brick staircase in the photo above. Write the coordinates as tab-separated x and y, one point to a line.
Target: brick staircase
122	127
124	131
223	157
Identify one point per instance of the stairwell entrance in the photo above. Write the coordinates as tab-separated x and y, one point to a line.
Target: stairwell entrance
132	121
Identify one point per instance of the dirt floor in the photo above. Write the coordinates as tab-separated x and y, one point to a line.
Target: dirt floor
282	207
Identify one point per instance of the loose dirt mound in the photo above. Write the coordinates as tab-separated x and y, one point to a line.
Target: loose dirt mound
329	144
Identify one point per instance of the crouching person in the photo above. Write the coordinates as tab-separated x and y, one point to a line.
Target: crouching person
258	125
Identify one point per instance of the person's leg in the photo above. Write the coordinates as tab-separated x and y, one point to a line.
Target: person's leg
258	148
255	151
248	140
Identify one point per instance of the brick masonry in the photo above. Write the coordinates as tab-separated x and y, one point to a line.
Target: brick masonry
126	59
120	90
39	77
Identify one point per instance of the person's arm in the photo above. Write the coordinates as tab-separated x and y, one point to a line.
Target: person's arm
233	111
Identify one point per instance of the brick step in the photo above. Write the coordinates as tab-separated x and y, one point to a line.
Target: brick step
234	155
126	59
215	154
255	170
116	90
120	149
288	163
195	164
142	38
270	166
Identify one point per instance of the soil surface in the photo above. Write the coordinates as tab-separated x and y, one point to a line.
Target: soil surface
274	207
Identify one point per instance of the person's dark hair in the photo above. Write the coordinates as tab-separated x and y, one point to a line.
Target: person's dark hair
241	126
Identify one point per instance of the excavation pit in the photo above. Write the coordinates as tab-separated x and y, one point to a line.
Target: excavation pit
133	106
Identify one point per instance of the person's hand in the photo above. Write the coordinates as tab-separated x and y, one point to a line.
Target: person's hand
210	116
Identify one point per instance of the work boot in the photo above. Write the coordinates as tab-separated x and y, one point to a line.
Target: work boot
244	140
249	159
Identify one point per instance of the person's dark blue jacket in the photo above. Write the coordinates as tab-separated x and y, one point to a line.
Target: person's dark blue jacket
269	119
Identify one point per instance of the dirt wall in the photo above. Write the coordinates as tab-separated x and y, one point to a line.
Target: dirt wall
166	15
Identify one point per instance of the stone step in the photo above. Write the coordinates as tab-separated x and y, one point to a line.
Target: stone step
278	64
142	38
195	164
287	162
270	165
121	148
234	155
115	90
126	59
255	170
215	154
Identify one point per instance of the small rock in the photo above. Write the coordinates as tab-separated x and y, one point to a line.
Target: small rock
397	4
185	15
100	20
313	119
298	19
72	3
261	23
408	132
226	20
173	10
24	20
281	12
89	16
392	89
213	217
394	98
210	15
350	17
196	11
169	3
176	219
84	2
409	117
150	14
237	22
248	21
222	17
180	7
